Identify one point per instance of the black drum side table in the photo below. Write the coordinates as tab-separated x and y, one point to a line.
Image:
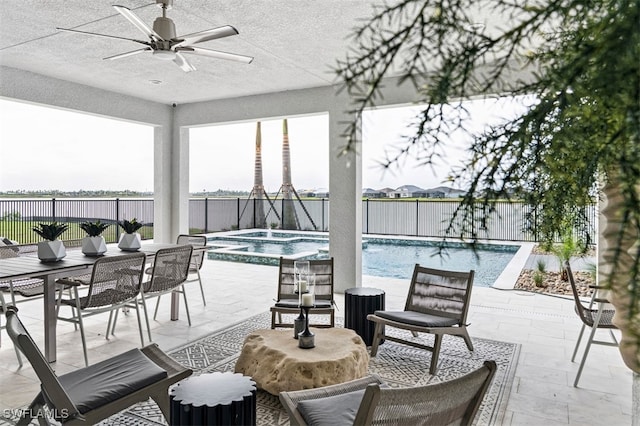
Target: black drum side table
214	399
358	303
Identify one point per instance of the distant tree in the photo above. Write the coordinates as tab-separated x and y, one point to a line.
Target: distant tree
576	59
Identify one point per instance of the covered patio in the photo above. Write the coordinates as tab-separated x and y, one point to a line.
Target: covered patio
545	326
294	47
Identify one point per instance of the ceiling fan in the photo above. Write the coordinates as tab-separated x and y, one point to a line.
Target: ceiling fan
164	44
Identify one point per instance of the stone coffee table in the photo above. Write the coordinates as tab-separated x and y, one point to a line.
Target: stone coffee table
275	362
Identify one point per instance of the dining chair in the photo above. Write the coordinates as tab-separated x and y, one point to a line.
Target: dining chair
368	401
93	393
594	318
169	272
197	258
437	303
287	301
19	290
114	283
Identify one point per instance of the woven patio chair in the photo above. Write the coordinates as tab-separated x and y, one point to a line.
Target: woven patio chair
114	283
197	258
169	273
366	402
437	303
594	318
93	393
20	290
28	287
287	301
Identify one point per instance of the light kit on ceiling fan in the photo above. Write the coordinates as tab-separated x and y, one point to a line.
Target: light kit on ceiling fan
163	42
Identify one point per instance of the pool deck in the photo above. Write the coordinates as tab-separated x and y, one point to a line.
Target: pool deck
546	327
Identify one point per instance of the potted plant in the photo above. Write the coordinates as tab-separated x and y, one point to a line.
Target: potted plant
53	249
130	239
93	244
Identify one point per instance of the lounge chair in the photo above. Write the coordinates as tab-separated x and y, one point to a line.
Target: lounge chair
437	303
367	401
93	393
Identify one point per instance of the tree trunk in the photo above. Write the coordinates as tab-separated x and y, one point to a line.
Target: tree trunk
611	245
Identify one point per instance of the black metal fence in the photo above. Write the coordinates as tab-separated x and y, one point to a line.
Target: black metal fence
19	216
424	218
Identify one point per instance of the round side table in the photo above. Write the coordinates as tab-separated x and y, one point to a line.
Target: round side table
214	399
359	302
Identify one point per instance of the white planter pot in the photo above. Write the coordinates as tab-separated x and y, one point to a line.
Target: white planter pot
94	246
51	251
130	242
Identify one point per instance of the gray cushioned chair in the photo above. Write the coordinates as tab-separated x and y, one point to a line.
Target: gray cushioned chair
93	393
437	303
366	401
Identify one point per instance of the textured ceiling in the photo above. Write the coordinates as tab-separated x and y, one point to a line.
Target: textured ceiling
294	44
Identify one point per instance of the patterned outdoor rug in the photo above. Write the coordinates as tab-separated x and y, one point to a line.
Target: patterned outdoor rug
399	365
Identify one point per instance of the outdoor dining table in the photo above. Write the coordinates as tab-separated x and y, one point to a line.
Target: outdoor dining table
75	263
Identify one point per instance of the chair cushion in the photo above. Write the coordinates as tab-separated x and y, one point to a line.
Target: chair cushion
417	318
334	410
99	384
293	303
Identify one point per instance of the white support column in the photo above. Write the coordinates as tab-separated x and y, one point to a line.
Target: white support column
180	207
345	205
162	178
171	181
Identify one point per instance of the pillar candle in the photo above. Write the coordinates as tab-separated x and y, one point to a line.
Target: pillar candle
303	286
307	299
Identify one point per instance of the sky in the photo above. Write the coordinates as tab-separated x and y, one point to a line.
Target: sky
45	148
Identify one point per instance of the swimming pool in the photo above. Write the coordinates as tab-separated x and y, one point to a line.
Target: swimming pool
381	256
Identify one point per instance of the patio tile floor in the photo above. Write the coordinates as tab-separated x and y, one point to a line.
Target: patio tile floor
545	326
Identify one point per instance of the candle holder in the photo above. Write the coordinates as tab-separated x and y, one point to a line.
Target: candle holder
306	339
298	324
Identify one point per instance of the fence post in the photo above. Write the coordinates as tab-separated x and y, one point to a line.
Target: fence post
417	217
206	215
366	215
238	211
53	209
117	219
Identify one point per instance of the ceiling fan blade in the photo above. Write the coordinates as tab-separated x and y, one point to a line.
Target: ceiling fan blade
182	62
207	35
139	23
215	54
133	52
102	35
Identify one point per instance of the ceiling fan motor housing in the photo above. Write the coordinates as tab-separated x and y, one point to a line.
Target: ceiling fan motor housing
165	28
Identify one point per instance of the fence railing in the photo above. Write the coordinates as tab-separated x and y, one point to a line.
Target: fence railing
423	218
19	216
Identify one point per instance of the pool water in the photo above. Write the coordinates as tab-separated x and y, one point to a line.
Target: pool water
383	257
398	261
